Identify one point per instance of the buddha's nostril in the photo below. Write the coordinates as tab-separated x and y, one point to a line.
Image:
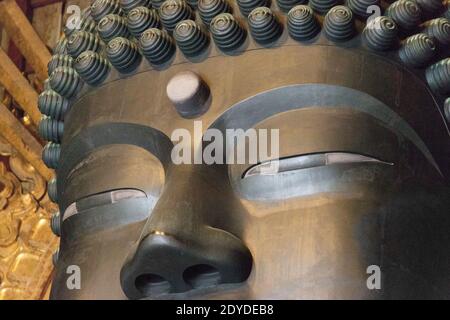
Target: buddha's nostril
150	284
197	266
201	275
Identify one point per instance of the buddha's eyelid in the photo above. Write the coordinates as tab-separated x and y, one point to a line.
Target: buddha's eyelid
306	161
103	198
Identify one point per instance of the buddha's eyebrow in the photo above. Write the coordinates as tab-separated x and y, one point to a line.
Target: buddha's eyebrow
306	161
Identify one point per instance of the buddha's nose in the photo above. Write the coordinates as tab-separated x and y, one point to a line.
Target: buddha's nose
183	247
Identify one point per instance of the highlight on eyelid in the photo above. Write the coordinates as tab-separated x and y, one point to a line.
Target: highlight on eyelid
100	199
307	161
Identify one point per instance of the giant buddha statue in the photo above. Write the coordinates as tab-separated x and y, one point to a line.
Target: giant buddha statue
353	95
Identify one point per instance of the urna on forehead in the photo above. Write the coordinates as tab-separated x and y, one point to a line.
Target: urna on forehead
357	93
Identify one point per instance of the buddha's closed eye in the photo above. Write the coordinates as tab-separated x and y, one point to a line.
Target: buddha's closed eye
306	161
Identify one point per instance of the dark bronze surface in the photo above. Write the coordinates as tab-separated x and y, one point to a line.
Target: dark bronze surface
308	233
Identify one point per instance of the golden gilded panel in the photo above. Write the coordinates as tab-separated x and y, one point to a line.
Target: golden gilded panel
26	240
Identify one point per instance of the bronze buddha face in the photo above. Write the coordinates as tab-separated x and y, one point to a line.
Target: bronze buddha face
358	140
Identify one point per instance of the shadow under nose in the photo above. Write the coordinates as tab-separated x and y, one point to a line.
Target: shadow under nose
165	264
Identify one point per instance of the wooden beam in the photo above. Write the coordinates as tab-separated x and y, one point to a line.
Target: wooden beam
14	52
23	141
42	3
25	37
18	87
48	21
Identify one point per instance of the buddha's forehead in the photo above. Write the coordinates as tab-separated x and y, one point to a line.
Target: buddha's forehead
254	74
